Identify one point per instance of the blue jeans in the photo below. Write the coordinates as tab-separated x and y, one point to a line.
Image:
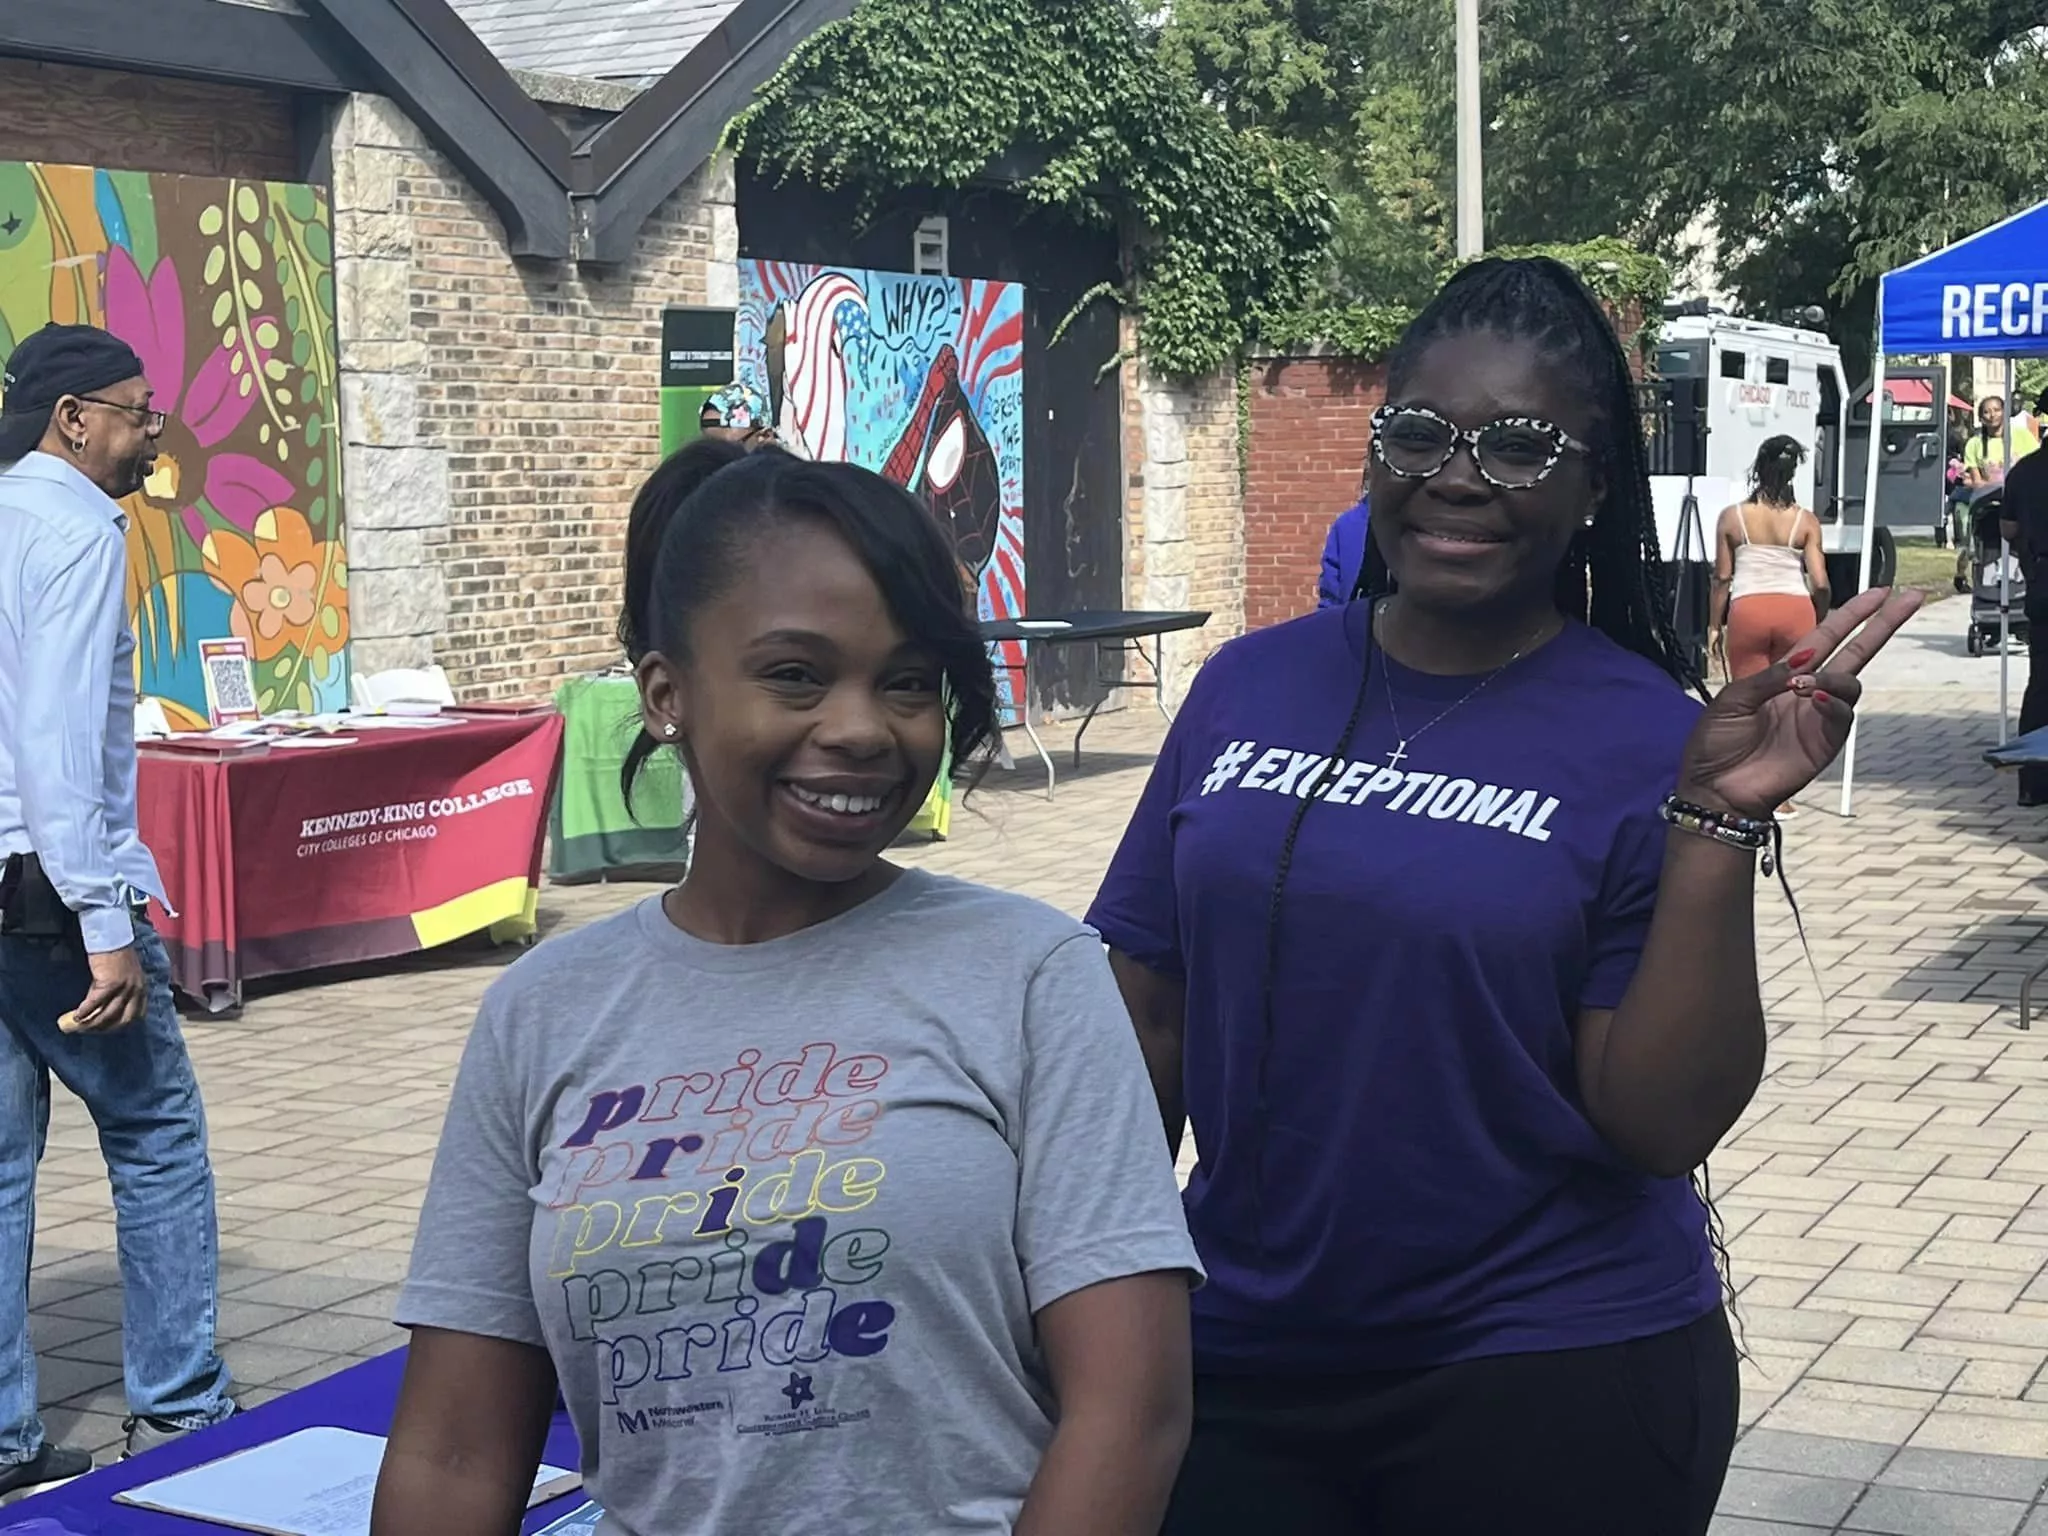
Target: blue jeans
144	1099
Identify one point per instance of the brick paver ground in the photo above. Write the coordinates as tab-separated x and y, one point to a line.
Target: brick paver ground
1886	1199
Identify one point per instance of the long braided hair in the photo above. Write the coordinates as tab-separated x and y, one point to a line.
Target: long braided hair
1612	577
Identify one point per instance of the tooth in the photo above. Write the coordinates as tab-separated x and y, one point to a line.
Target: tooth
839	803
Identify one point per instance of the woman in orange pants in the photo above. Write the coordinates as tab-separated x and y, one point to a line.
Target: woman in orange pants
1770	575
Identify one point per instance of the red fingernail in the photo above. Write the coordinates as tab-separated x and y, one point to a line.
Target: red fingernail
1820	697
1799	659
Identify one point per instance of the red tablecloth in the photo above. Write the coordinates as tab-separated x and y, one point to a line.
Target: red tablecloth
305	857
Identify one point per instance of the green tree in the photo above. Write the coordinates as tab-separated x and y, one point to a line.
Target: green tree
1826	140
1228	218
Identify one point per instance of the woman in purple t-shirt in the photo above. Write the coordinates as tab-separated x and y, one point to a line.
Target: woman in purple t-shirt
1436	920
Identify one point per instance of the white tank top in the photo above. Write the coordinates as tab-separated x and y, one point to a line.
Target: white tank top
1761	570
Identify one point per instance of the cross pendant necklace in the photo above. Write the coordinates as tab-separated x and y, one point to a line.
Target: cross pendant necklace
1400	753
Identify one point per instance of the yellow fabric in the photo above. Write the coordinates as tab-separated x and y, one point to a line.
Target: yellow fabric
935	818
509	908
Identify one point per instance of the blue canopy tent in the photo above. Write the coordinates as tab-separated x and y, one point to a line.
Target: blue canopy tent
1986	296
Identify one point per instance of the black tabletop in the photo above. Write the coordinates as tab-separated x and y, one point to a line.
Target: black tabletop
1091	624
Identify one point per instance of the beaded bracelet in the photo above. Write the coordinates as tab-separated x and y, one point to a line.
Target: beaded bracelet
1724	827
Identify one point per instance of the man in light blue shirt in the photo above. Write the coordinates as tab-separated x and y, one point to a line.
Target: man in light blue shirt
85	989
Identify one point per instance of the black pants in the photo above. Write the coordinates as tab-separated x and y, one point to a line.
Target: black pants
2034	705
1625	1440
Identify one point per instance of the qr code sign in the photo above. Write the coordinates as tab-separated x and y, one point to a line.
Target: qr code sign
234	691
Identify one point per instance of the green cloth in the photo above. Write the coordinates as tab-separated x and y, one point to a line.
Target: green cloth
591	829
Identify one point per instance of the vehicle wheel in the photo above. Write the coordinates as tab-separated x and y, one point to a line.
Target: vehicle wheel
1962	585
1884	559
1975	643
1842	577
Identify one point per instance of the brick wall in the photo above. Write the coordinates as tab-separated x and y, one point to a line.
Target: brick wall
500	416
1309	427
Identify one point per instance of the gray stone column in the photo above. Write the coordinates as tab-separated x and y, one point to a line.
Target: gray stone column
721	206
396	485
1169	558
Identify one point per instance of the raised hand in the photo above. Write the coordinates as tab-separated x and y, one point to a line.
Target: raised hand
1768	736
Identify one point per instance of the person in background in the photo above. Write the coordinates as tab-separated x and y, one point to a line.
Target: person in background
1344	555
85	985
1953	488
737	414
1436	921
2030	419
869	1150
2024	522
1984	454
1770	571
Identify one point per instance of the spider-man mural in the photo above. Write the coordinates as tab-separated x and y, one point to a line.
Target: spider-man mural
921	378
946	458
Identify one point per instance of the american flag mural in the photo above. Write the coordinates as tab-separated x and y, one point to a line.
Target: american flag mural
920	378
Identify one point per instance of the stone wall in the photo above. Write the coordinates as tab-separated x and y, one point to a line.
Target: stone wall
499	415
1310	422
1183	512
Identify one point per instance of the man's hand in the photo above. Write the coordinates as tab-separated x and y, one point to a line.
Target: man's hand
118	993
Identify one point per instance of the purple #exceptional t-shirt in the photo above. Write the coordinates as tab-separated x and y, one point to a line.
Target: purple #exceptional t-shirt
1427	1187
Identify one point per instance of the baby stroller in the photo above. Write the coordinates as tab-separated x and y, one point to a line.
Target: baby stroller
1986	549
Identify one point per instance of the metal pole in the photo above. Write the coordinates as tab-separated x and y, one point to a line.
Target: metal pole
1471	172
2005	572
1863	558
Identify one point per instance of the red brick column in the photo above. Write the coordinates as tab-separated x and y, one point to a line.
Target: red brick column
1309	426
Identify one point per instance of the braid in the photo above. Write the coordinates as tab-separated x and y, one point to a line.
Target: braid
1613	576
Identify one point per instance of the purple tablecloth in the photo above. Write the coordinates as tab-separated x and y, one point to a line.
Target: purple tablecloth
359	1398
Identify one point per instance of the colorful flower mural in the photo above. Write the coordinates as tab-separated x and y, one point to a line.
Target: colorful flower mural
225	288
921	378
277	577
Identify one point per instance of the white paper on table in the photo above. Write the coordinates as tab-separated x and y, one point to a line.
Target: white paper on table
313	741
580	1521
317	1482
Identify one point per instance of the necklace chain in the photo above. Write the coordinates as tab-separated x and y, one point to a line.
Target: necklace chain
1400	752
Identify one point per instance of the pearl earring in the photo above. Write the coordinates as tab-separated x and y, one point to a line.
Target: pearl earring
1589	519
669	730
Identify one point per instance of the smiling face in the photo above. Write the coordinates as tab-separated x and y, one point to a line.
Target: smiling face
811	723
1455	542
1991	411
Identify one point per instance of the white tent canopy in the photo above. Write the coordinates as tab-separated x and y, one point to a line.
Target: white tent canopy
1986	295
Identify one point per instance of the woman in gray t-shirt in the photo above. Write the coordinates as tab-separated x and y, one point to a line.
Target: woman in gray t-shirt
832	1195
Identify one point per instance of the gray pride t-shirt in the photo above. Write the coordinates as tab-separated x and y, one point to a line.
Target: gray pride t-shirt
782	1212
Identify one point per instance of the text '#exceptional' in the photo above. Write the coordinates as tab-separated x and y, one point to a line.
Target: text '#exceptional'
1379	786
